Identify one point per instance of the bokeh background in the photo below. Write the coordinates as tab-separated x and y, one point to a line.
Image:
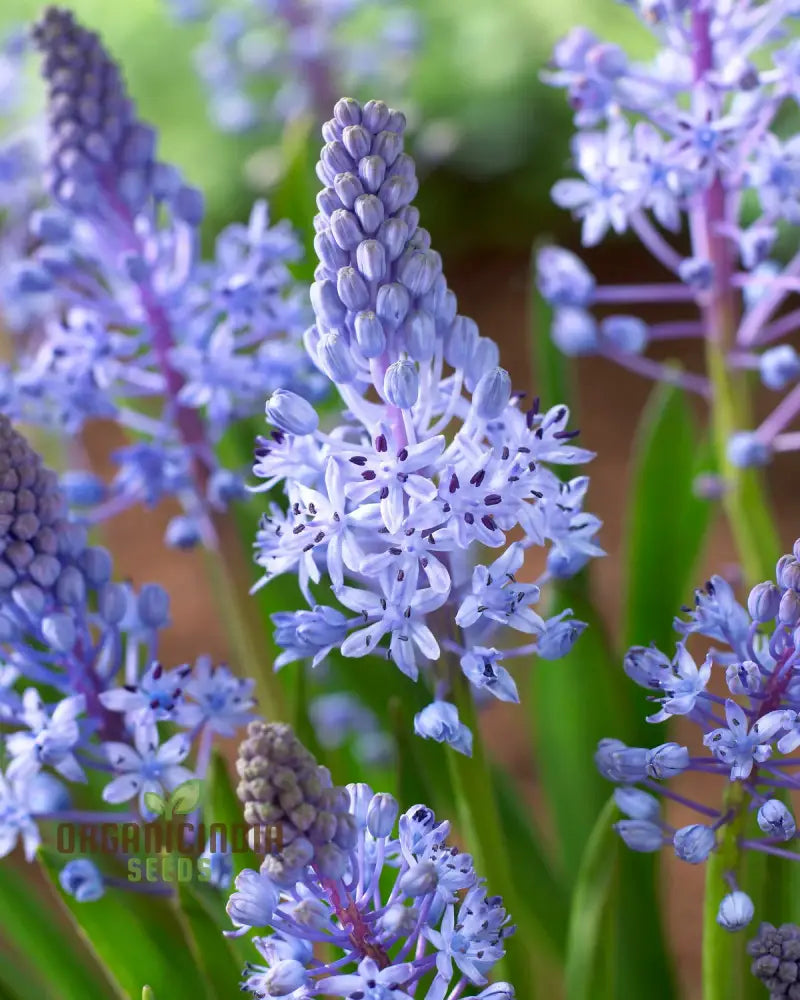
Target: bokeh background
493	139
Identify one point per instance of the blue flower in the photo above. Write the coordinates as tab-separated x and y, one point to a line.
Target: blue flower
146	767
82	879
439	721
433	455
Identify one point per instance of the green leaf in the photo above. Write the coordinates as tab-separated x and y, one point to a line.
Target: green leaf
136	937
668	523
155	803
545	912
53	961
591	913
223	806
220	959
185	797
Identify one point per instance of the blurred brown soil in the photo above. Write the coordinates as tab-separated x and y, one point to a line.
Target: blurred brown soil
494	291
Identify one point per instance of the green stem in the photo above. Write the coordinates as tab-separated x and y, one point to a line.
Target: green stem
479	821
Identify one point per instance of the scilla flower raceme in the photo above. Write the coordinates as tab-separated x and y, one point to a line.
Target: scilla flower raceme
435	459
431	932
749	736
688	142
139	328
81	689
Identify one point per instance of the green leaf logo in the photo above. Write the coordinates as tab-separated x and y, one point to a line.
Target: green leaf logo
185	797
155	803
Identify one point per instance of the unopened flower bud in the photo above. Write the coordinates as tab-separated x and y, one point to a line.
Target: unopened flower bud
492	394
735	911
401	384
694	843
291	413
382	814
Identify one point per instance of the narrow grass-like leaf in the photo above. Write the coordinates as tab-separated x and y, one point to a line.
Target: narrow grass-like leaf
135	937
591	913
60	963
667	522
221	959
545	910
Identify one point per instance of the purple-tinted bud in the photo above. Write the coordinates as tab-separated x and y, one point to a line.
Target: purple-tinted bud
352	289
419	880
393	234
418	269
329	251
369	334
735	911
372	171
254	901
370	212
640	835
779	366
397	192
392	305
356	140
330	860
346	230
667	760
401	384
558	638
460	341
789	608
563	279
285	977
188	205
696	272
575	332
485	357
96	565
694	843
637	804
349	188
775	820
743	678
618	762
59	631
291	413
647	666
347	111
112	603
439	721
747	450
82	880
382	814
328	201
335	159
375	116
628	334
492	394
387	145
371	259
763	602
336	359
153	606
327	305
419	335
785	571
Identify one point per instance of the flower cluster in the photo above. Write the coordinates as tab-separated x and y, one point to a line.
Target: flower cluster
433	459
776	960
749	737
434	933
272	61
69	632
688	141
20	169
138	328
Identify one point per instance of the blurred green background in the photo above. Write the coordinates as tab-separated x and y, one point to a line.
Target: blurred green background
477	73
